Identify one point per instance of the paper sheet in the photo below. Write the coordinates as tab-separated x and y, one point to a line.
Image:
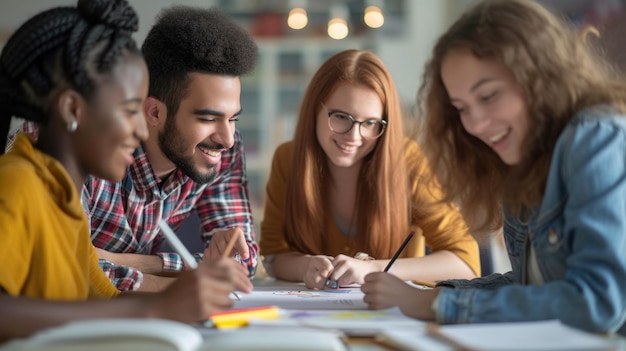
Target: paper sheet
294	298
350	322
527	336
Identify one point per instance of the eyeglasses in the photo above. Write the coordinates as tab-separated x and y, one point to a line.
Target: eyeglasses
341	123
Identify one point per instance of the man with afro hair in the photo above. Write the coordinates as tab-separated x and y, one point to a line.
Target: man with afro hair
193	159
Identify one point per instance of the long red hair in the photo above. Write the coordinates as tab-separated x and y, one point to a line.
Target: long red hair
382	196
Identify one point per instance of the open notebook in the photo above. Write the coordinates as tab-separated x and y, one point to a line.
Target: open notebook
549	335
165	335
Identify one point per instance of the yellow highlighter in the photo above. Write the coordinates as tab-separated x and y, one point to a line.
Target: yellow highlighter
236	318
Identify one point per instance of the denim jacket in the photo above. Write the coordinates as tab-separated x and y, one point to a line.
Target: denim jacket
579	236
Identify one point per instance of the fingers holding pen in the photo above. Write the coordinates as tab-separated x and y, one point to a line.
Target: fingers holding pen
192	297
227	243
349	270
381	290
228	270
317	271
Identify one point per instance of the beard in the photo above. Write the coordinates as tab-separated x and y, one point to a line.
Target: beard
173	146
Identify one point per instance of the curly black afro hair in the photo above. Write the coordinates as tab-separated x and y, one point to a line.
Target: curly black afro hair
193	39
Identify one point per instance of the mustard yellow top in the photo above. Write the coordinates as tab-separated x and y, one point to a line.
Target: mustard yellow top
442	228
45	247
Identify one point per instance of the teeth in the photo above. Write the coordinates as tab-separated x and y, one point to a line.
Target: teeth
498	137
210	152
347	148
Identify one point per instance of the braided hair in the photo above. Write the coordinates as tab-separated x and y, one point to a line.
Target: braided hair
58	48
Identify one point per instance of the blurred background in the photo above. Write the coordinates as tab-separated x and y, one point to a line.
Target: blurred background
296	36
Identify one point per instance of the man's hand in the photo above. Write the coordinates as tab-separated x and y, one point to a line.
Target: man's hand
220	241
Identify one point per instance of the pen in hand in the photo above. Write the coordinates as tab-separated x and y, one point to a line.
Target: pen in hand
177	245
400	249
227	250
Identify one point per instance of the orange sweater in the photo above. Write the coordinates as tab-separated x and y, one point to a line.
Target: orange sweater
45	248
442	229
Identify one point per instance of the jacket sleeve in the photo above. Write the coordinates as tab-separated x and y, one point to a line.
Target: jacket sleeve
590	162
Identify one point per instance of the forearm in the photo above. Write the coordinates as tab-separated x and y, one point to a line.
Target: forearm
145	263
154	283
440	265
23	316
290	266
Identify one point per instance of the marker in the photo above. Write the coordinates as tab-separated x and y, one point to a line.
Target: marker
395	256
240	317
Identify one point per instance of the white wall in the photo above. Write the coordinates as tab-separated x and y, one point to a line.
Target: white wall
405	57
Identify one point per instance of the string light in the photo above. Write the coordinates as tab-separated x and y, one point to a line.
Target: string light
298	18
339	17
373	17
338	24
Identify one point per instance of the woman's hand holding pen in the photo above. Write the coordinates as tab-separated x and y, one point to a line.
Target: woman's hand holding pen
317	270
200	292
383	290
326	272
349	270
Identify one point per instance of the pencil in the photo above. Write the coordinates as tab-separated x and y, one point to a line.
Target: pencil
177	245
229	248
400	249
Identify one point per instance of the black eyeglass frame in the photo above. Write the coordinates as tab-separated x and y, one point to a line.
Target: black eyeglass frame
331	112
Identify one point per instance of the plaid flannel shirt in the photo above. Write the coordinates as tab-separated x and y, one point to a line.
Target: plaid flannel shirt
124	216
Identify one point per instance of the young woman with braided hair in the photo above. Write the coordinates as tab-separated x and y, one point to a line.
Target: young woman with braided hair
77	72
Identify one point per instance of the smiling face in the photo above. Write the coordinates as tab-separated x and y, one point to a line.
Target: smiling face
113	124
491	104
204	125
348	149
